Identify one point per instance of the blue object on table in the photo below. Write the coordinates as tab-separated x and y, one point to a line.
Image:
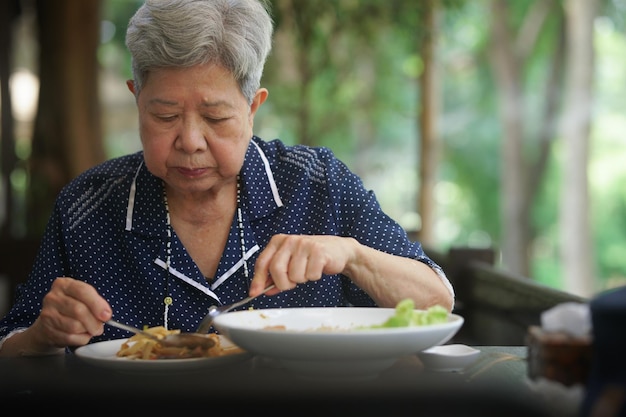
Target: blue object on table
606	388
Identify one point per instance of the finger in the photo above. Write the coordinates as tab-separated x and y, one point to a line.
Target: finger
62	316
314	268
87	295
75	307
297	266
317	259
54	329
262	278
53	335
279	269
259	282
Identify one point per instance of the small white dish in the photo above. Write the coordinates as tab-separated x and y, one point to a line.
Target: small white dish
448	358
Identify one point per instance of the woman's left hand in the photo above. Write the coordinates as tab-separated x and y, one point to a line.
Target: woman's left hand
289	260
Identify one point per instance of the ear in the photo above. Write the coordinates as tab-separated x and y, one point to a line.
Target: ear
259	98
130	84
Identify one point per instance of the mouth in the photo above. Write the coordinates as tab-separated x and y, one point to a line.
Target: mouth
191	172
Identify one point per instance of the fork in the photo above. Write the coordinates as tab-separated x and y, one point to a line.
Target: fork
215	311
179	340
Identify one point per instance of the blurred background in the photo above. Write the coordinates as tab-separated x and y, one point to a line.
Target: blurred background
483	124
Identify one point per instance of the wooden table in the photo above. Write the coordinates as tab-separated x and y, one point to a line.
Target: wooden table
495	385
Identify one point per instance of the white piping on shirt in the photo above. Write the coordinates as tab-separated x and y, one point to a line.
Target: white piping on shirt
131	200
270	176
188	280
217	282
235	267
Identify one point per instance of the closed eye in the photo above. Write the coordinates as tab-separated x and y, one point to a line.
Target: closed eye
167	118
215	119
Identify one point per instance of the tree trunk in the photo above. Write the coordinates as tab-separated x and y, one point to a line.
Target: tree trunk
513	205
67	136
428	149
521	176
575	234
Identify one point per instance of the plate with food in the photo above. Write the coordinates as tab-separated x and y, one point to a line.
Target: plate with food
141	354
338	342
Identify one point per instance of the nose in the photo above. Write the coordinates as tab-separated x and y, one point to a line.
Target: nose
191	137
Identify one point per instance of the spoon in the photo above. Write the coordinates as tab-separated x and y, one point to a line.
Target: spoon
179	340
215	311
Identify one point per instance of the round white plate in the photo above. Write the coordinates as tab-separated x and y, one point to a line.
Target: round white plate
326	341
103	354
449	358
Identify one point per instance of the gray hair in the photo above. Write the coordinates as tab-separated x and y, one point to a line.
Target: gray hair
236	34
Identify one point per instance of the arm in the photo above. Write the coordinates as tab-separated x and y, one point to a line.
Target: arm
289	260
389	279
72	313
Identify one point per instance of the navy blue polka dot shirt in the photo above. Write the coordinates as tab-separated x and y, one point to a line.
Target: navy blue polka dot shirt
109	229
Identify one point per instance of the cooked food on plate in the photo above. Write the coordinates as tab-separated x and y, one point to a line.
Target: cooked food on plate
141	347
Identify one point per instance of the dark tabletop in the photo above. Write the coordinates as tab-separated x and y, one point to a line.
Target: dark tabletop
495	385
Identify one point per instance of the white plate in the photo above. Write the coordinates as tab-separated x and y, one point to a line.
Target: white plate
103	354
449	358
324	341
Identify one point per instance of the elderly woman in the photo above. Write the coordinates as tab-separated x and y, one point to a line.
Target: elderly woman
207	213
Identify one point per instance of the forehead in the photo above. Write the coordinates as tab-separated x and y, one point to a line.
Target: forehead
205	79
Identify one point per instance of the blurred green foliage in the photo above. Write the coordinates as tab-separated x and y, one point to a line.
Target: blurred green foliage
360	97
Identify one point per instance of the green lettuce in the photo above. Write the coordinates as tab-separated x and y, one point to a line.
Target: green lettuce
407	316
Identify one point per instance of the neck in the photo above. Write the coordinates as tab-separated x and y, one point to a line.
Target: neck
205	209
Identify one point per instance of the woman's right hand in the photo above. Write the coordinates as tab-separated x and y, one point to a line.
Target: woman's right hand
72	313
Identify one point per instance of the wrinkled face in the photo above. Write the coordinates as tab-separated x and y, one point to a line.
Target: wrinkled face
195	126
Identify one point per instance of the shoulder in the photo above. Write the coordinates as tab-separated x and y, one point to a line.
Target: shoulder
310	161
103	180
109	171
278	149
307	173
